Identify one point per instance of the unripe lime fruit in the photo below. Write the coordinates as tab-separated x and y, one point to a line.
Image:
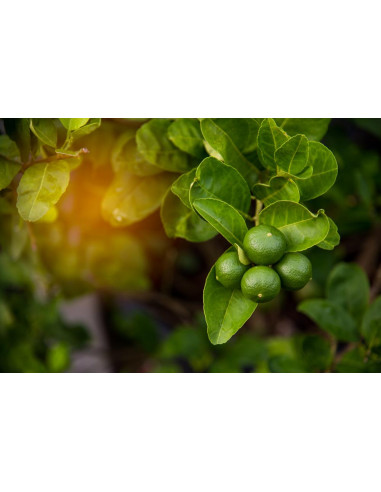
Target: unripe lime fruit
260	283
229	270
294	270
264	245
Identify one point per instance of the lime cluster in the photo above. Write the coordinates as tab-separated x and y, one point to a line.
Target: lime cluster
271	267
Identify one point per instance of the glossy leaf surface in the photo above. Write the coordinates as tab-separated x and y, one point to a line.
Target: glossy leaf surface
226	310
279	188
40	187
214	179
224	218
302	228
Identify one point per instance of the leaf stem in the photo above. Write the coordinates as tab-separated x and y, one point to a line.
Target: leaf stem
246	216
258	208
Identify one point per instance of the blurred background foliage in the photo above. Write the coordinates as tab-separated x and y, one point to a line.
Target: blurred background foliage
149	288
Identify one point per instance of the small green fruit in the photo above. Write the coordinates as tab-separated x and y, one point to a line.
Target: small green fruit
264	245
260	283
294	270
229	270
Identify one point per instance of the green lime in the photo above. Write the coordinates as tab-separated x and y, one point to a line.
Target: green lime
264	245
260	283
229	270
294	270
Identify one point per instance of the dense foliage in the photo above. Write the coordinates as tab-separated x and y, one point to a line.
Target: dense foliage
78	200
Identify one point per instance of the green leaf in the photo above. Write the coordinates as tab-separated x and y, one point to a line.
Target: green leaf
279	188
223	217
45	130
331	318
332	239
72	124
348	286
242	255
40	187
306	173
180	221
371	324
312	128
126	157
226	310
214	179
285	364
292	156
324	172
186	134
153	143
73	136
9	149
131	198
18	238
270	138
315	352
302	228
231	137
354	361
182	186
18	130
9	161
58	358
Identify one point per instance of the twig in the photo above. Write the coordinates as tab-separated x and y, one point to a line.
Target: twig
57	157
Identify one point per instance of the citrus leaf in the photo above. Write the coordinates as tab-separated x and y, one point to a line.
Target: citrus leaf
181	186
226	310
131	198
312	128
72	124
154	145
232	137
356	360
18	130
292	156
348	286
180	221
371	323
331	318
9	161
323	175
279	188
8	169
242	255
223	217
40	187
45	130
214	179
186	134
306	173
270	138
125	156
302	228
332	239
92	125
